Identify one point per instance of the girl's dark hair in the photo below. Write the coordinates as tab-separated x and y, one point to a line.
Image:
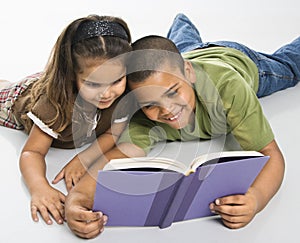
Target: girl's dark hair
58	81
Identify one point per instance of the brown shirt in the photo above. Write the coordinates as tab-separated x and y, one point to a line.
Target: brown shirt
77	131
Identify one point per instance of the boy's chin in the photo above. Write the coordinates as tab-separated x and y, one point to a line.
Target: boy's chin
178	125
181	125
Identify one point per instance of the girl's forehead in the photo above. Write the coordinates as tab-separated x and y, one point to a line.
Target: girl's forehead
89	62
86	63
103	70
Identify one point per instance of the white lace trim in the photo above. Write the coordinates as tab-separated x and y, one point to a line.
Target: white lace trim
120	120
42	125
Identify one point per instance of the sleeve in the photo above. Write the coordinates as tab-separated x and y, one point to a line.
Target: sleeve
142	132
41	114
124	107
245	116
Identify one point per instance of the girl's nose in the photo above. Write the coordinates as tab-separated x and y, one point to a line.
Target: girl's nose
104	92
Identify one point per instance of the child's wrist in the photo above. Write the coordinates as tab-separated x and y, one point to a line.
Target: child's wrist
257	198
39	185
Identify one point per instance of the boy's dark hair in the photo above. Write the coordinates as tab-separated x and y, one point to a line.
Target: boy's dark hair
149	55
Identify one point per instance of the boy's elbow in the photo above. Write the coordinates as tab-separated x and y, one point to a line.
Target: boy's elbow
130	150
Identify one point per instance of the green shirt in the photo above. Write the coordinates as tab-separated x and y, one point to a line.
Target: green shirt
226	101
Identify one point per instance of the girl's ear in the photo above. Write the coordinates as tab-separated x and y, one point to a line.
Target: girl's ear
189	72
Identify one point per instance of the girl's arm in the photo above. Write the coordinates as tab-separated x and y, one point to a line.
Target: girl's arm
238	210
76	168
44	199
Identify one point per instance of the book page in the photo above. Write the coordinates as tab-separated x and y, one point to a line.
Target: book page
223	154
146	162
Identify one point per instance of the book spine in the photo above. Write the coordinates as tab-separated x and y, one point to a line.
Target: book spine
163	197
175	202
191	192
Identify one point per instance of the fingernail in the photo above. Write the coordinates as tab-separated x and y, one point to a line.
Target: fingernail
104	222
217	202
100	214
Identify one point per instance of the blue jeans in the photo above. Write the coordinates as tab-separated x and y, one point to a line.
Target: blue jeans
277	71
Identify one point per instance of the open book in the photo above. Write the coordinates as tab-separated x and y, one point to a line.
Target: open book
178	166
157	191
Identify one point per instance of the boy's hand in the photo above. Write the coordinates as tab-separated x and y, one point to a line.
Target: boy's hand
72	172
48	202
236	211
81	220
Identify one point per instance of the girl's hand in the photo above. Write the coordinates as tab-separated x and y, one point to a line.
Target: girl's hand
236	211
48	202
72	172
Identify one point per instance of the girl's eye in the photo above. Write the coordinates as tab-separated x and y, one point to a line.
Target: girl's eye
91	84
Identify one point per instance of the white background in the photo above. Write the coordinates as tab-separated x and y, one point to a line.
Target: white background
28	31
30	28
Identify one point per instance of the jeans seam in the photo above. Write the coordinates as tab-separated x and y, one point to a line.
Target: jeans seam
264	73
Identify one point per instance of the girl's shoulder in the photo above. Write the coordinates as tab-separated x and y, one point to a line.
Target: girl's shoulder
43	108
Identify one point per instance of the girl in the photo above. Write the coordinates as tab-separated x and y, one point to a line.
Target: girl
68	105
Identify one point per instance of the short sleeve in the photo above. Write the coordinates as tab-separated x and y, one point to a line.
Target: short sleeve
41	114
125	107
245	116
142	132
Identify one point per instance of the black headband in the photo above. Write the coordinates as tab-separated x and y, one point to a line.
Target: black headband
99	28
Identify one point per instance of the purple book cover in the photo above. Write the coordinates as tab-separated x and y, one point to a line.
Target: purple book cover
213	181
134	198
152	198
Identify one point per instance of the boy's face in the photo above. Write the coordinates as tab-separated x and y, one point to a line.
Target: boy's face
168	97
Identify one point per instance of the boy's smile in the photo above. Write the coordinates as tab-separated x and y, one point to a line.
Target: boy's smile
166	97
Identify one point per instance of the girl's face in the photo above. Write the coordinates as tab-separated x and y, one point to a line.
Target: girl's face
101	82
168	97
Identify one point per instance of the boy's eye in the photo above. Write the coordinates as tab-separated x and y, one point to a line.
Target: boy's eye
149	106
117	81
172	93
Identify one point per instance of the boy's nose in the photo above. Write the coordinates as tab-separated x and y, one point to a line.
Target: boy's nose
166	109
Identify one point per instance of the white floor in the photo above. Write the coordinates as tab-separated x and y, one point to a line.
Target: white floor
28	32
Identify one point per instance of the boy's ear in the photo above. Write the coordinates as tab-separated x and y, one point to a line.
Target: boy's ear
189	72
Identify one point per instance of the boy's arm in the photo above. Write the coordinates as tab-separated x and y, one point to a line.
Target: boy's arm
75	168
79	202
238	210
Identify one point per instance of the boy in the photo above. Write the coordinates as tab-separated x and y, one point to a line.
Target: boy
210	93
